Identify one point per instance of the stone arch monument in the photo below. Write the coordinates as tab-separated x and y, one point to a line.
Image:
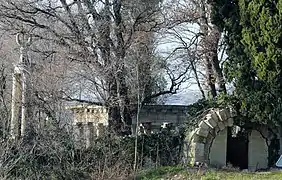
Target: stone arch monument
207	143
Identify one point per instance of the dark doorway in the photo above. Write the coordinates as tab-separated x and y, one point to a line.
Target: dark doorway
237	147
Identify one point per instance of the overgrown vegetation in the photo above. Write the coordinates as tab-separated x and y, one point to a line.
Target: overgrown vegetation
106	50
55	155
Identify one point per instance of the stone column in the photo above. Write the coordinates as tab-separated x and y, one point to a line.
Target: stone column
89	134
16	105
76	131
21	88
25	104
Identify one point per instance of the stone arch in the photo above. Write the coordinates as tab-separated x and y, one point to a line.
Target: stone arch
214	122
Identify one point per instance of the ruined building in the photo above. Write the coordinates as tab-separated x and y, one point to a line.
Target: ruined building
215	140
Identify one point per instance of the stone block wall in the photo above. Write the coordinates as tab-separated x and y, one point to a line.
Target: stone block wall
90	121
211	130
158	116
218	150
258	151
208	142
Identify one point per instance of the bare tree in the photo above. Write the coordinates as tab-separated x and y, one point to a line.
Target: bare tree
204	41
97	38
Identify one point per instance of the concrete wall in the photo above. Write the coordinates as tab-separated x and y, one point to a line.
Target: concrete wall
218	149
258	152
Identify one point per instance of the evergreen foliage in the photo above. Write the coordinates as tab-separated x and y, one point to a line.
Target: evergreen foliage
253	36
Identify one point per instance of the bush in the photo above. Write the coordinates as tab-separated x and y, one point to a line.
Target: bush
53	154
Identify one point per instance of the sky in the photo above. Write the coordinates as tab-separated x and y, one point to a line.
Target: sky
189	92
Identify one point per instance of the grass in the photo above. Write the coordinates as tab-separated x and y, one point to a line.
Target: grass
179	173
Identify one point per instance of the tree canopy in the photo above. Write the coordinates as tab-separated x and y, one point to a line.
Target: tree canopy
253	35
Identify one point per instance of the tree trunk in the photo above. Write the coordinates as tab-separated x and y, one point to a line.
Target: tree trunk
210	45
210	77
215	36
204	27
197	79
124	104
119	106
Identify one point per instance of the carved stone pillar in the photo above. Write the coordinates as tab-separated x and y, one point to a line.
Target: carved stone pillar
89	134
16	105
21	89
25	104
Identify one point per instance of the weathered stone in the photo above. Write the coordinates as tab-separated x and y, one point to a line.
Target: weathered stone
199	152
209	115
202	132
221	114
88	134
16	105
210	121
216	130
218	150
100	129
199	139
218	115
21	88
215	117
204	125
225	123
191	153
227	112
258	152
76	130
221	125
230	122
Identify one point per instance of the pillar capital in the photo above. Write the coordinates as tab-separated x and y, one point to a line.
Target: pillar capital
24	41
